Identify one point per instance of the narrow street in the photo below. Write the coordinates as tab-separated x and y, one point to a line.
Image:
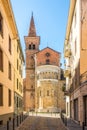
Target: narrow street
41	123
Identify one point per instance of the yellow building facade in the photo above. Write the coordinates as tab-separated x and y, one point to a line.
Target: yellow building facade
18	80
8	62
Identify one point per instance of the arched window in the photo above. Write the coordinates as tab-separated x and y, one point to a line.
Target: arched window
33	46
47	61
47	92
32	86
31	57
29	46
40	92
32	95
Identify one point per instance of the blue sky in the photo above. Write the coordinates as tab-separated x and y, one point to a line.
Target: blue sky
50	18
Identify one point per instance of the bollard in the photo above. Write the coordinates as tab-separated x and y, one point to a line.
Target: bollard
22	116
36	113
66	121
55	114
32	113
13	123
63	117
83	126
17	121
7	125
20	119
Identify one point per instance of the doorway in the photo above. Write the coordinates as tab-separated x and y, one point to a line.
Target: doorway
76	109
85	110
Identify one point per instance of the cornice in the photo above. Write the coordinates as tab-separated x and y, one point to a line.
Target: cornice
10	16
11	20
70	18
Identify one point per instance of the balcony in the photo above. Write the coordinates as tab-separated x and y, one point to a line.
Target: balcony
66	93
66	90
83	78
67	73
67	53
69	90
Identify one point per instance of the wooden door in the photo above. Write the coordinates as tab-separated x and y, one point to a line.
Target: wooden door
76	109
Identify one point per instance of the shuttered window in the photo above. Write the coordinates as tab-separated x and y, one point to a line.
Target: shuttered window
9	97
1	95
1	60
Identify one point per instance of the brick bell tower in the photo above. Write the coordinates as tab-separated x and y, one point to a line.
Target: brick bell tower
32	42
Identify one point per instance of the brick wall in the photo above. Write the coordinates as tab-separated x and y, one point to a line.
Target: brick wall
54	57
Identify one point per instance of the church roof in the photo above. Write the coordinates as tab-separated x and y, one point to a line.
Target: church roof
49	49
32	30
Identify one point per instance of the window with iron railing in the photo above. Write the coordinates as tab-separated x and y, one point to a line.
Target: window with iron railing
47	92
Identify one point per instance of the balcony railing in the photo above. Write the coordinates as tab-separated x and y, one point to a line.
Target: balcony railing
67	73
69	90
83	78
67	53
66	92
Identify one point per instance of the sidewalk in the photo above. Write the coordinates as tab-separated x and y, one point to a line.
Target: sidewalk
72	125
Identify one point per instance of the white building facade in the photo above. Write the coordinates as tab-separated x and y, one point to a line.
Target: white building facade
76	64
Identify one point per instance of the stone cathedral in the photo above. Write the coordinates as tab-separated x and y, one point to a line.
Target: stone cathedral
43	82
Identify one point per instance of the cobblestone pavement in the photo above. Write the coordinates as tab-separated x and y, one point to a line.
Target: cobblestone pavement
71	125
42	123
